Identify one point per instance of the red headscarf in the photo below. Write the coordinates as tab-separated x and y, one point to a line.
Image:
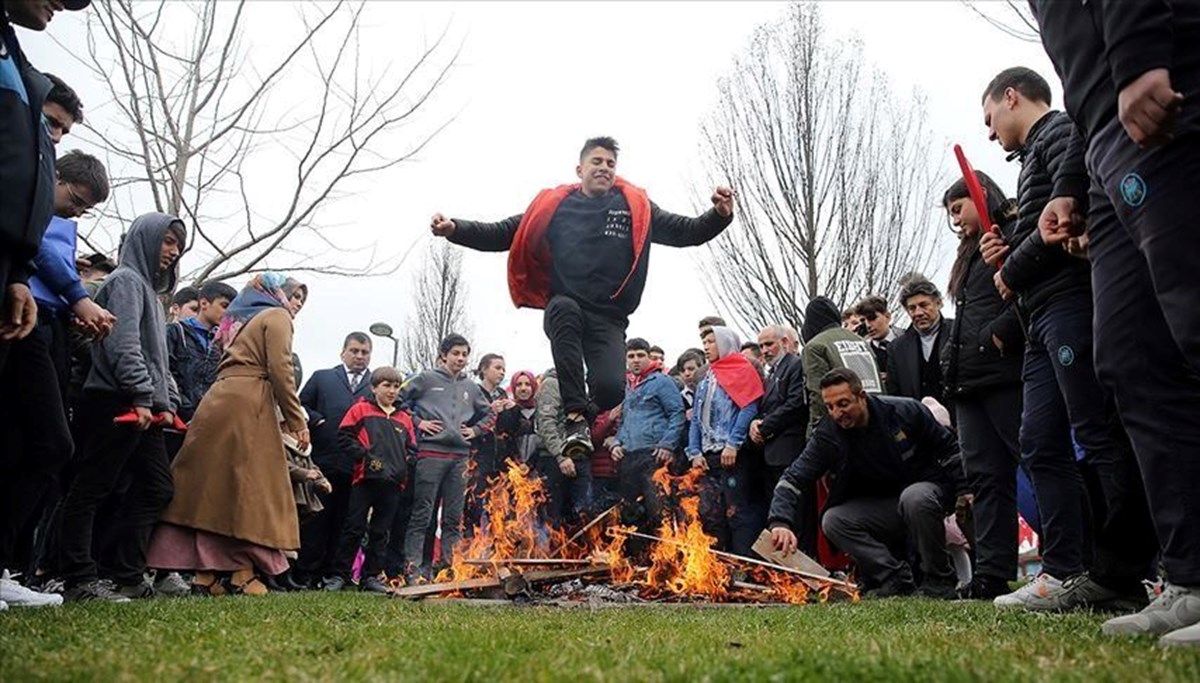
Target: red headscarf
512	388
733	372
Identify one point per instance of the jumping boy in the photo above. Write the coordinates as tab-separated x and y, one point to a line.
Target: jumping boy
581	253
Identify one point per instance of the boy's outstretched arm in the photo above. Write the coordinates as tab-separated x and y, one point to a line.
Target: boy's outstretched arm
674	230
476	234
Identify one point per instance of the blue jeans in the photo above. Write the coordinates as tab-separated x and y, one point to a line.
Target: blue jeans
1060	393
727	507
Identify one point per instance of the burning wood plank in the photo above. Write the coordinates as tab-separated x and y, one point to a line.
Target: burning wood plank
447	587
512	584
579	534
747	560
795	559
527	561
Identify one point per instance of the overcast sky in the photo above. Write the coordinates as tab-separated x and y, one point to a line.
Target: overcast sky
535	80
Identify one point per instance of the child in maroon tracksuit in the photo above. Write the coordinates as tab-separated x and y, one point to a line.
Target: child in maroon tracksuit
380	436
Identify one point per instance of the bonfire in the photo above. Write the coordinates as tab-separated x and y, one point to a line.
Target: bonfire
513	554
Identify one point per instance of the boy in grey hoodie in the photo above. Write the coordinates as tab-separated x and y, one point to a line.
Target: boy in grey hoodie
448	411
130	381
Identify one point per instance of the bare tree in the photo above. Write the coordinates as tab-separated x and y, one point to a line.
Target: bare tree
439	297
835	176
202	130
1012	17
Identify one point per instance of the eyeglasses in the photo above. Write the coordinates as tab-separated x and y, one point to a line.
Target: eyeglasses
83	208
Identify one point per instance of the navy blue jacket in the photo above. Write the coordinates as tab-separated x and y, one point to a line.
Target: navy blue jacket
26	157
919	449
328	397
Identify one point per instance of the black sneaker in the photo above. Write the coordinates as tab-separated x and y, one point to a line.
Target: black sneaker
372	584
578	442
984	587
333	583
892	588
938	589
137	591
93	591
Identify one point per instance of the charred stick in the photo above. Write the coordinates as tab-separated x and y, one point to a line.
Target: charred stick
589	525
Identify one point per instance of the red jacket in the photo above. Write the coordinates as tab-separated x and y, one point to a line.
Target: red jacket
378	442
529	257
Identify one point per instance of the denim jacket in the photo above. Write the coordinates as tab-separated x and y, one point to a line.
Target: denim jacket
720	424
652	415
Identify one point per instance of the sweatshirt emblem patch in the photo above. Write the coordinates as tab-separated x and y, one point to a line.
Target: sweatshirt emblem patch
1066	356
1133	190
376	465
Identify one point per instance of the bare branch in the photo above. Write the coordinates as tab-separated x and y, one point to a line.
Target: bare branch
188	110
833	176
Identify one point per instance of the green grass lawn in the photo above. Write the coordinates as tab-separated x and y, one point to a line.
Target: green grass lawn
317	636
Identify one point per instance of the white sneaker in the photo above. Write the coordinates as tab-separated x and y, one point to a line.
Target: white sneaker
17	595
1044	594
1177	608
3	605
172	585
1188	636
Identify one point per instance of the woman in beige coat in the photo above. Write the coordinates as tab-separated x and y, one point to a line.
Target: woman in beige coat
234	510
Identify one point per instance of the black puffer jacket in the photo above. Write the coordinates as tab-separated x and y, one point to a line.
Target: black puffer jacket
1040	273
971	363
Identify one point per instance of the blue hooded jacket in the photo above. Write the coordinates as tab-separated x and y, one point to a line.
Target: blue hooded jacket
57	286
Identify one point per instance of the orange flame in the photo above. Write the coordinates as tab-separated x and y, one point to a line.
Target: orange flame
684	564
510	528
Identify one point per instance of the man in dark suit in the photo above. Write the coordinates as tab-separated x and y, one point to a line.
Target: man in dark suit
783	417
914	360
327	396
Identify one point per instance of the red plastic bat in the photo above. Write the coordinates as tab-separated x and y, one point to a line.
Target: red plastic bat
976	191
130	417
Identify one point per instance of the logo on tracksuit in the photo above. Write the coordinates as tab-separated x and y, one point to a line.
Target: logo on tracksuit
1133	190
1066	356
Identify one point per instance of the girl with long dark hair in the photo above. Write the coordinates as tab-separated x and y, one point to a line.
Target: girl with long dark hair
982	370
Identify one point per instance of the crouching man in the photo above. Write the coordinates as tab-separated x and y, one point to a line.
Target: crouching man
894	473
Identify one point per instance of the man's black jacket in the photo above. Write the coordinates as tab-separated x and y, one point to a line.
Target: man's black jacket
784	412
327	396
920	449
904	363
1036	272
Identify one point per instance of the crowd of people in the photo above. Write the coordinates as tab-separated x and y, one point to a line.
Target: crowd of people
161	440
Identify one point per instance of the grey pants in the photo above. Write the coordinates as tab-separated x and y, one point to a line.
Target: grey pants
447	475
874	530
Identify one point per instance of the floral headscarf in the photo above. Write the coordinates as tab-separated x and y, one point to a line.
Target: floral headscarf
262	293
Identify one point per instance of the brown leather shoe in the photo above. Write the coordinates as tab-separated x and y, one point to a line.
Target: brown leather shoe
206	583
246	582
